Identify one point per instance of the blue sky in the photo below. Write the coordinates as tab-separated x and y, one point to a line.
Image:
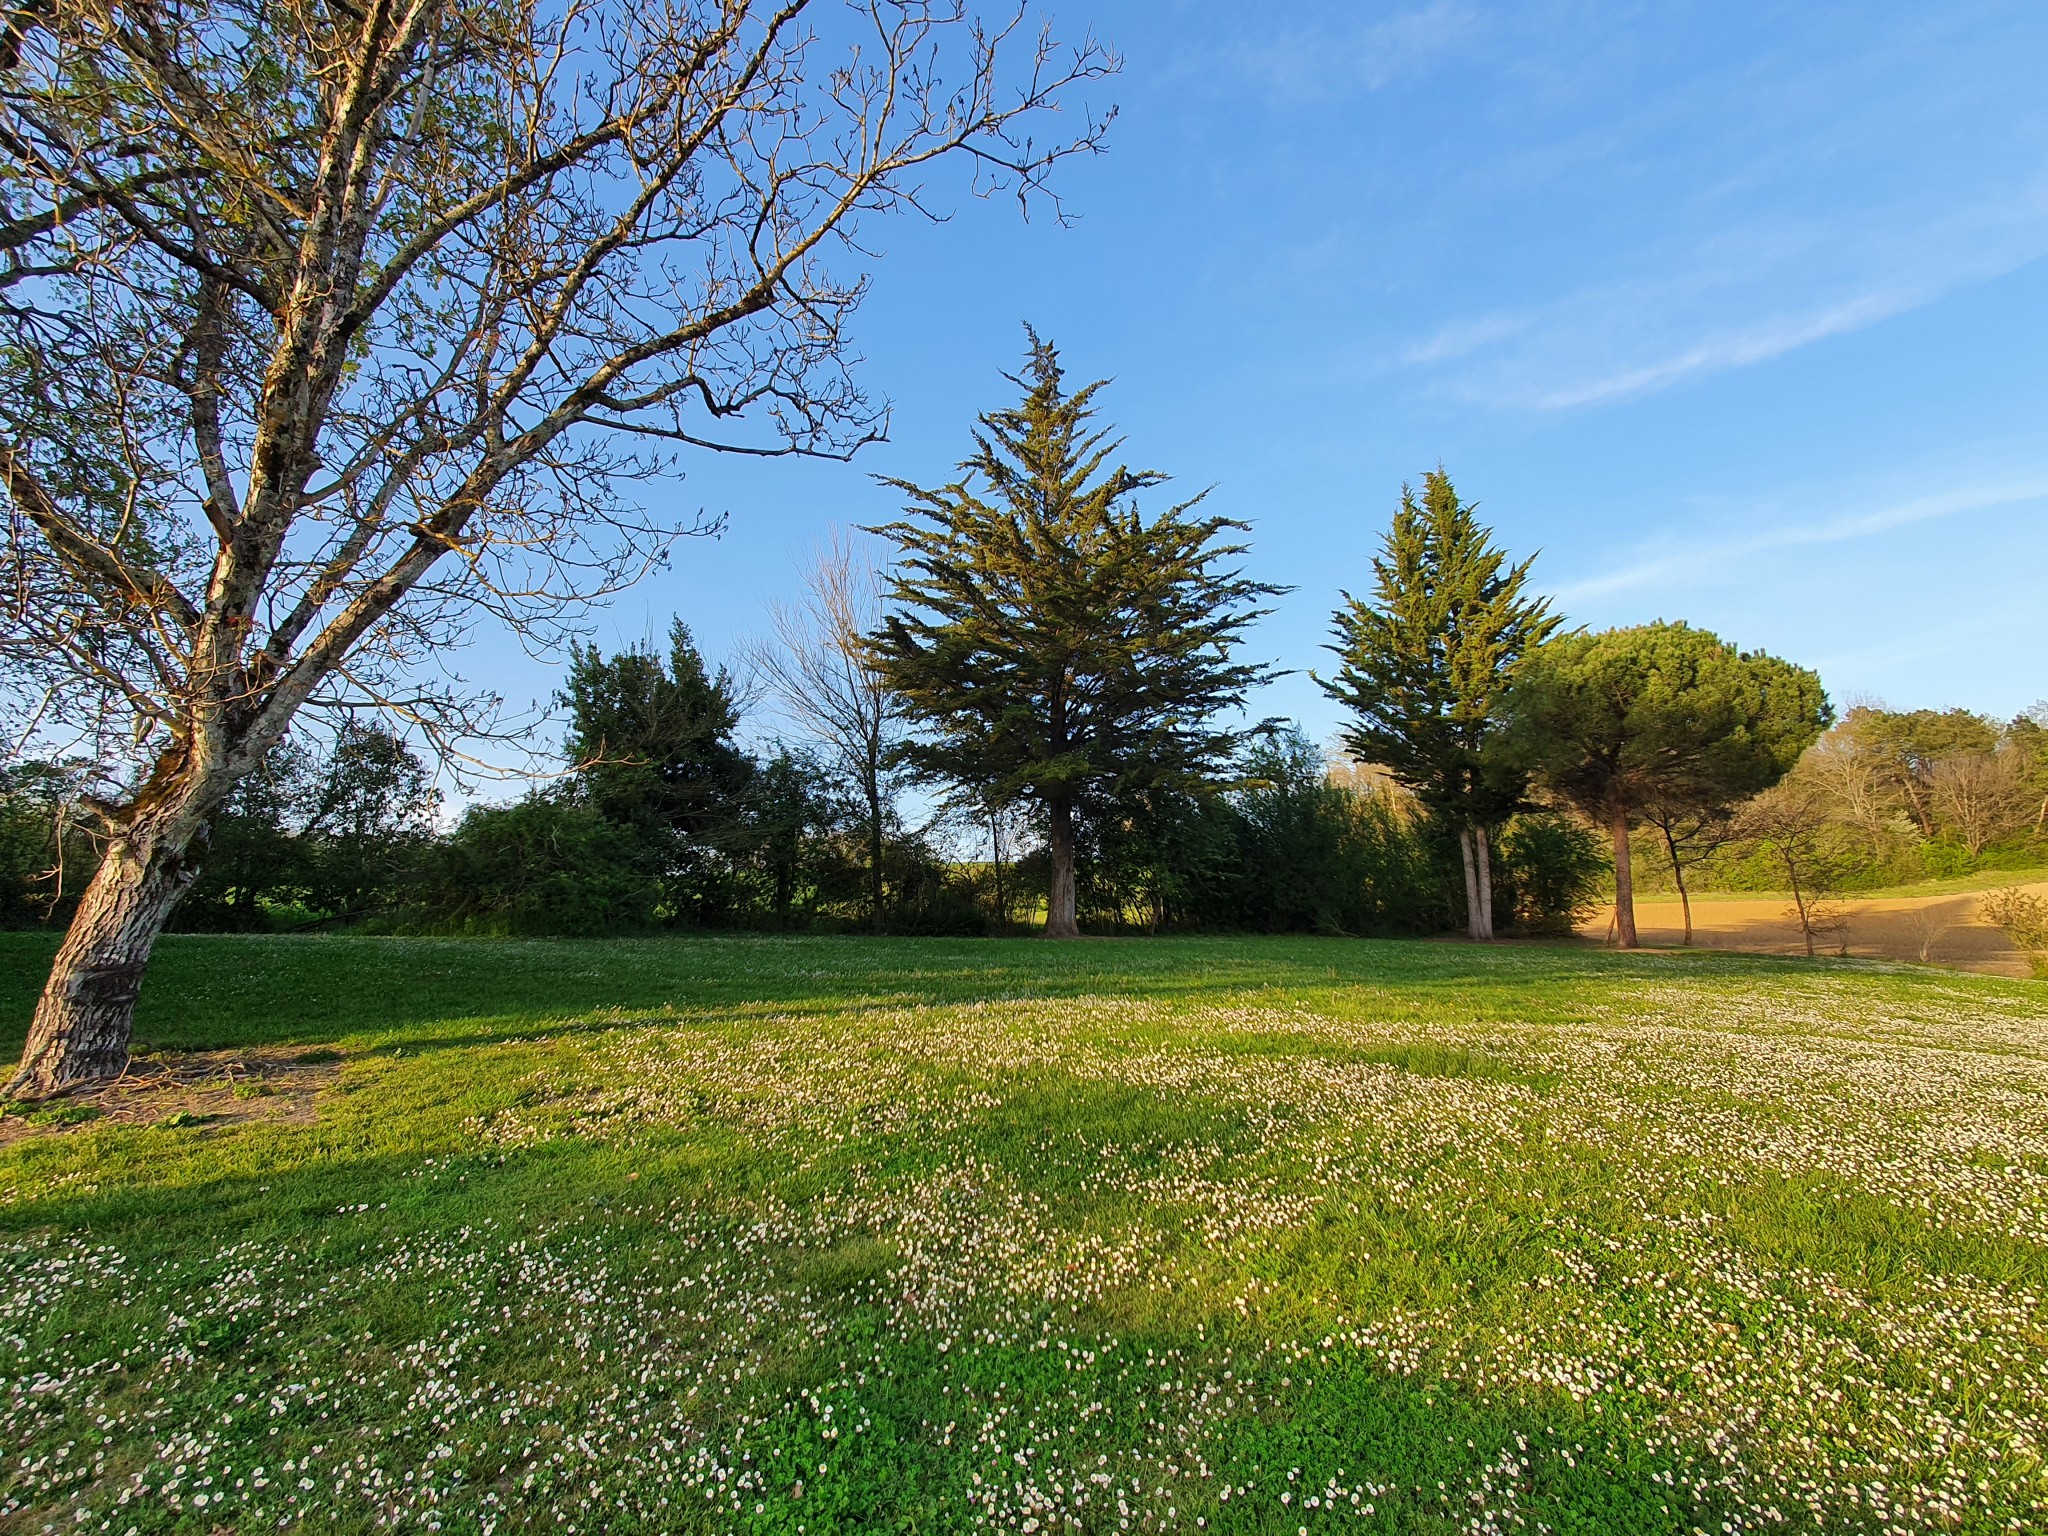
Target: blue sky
1734	311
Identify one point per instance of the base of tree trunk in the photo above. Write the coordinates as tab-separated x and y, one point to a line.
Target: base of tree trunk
85	1019
1624	882
1060	919
90	1045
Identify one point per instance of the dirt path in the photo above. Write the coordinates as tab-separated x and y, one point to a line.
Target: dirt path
1944	930
192	1088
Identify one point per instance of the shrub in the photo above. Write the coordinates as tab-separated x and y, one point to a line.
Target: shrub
2024	915
1328	859
928	895
1292	852
541	866
1153	859
1549	873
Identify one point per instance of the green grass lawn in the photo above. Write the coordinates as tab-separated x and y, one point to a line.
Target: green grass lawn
837	1235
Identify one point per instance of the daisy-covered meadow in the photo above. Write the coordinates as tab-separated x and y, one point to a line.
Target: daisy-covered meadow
833	1235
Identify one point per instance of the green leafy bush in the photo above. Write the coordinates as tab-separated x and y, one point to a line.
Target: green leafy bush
2024	915
542	866
1549	873
1312	856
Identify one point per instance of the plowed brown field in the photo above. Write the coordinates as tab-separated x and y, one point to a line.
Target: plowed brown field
1943	930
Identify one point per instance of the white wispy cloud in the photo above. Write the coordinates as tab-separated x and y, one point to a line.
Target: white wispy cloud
1692	562
1462	338
1752	295
1373	53
1741	215
1741	346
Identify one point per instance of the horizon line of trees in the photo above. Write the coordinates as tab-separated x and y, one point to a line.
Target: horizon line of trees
1051	674
1043	671
349	833
1297	842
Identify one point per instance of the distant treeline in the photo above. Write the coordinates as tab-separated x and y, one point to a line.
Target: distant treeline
1037	718
664	822
684	829
1887	797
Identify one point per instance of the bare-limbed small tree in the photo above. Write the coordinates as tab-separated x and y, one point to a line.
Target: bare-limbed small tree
823	678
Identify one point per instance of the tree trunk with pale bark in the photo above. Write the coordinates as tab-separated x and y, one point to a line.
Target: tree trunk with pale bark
1475	850
878	910
1483	846
85	1018
1471	863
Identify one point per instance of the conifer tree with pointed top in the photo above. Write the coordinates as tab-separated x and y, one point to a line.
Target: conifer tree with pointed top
652	741
1054	645
1426	667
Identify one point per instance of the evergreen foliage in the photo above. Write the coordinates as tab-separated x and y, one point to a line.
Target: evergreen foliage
653	743
653	740
787	806
1053	643
255	864
548	864
1426	662
369	826
1157	859
1311	856
1550	874
667	821
1658	714
1907	746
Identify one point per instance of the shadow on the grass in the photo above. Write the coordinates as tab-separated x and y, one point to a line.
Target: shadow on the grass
210	992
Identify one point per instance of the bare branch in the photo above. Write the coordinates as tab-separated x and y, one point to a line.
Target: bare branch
97	565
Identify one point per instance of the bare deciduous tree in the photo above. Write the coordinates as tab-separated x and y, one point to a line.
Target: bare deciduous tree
328	328
820	673
1926	923
1790	822
1858	781
1691	835
1980	796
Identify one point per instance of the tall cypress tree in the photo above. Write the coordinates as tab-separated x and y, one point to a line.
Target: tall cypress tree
1426	666
1053	644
